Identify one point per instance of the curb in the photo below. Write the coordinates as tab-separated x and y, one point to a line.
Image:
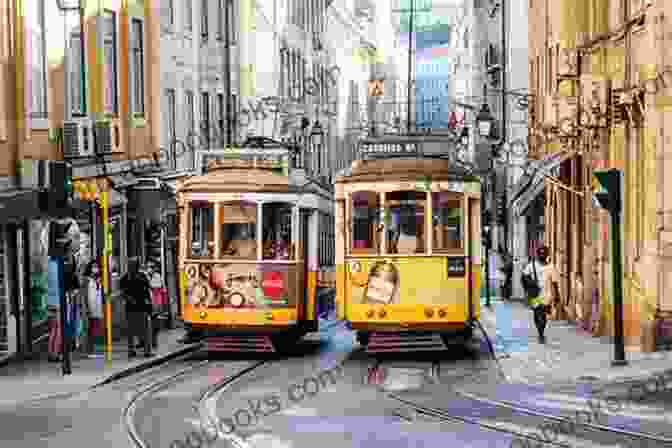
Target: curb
152	362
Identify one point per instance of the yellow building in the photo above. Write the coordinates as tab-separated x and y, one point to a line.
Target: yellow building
109	50
597	73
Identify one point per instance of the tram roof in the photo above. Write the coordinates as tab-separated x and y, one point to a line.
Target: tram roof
404	169
238	175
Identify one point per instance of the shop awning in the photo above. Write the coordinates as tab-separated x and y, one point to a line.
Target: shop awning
532	183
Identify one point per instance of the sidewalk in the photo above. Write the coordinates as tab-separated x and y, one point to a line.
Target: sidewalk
570	356
38	379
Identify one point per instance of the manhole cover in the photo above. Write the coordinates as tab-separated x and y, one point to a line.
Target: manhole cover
588	378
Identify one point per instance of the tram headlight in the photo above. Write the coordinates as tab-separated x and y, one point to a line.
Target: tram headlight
382	313
370	314
355	266
429	312
442	313
204	314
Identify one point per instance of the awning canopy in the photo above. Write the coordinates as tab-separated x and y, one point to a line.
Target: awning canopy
531	183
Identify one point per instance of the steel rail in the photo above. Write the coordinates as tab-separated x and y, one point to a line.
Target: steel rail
590	426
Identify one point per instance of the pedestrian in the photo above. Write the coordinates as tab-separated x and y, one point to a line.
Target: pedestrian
136	289
94	301
540	280
54	307
507	270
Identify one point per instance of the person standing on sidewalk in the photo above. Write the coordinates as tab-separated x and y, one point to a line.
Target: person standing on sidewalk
538	272
138	308
94	297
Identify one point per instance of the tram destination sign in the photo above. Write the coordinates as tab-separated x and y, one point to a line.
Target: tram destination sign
388	149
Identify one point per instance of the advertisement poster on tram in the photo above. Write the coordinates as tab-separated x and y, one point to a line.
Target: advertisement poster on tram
241	286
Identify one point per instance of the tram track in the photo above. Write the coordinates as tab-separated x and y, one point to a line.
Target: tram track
527	439
150	388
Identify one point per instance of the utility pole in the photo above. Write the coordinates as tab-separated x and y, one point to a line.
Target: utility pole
609	196
227	70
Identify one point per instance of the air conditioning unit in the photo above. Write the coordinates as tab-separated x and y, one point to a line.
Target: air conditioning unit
107	137
78	138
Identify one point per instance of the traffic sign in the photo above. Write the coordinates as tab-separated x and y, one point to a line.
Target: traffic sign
376	87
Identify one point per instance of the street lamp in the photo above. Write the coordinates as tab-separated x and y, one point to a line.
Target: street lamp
484	119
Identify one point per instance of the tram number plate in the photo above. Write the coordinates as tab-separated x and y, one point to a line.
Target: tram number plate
456	266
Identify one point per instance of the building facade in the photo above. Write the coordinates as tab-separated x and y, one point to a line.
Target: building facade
598	73
56	103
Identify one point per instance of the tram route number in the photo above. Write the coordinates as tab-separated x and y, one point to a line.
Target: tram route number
456	266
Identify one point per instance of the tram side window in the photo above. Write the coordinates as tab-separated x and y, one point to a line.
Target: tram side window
405	222
365	222
202	230
277	228
239	230
447	221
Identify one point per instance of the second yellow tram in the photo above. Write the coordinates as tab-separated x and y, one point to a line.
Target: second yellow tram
408	252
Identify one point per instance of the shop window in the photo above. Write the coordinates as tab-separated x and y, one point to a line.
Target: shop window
405	222
202	230
238	222
277	225
447	221
365	222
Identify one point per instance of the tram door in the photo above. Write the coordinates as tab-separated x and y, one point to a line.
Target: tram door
305	248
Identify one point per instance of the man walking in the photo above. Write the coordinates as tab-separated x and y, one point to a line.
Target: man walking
138	308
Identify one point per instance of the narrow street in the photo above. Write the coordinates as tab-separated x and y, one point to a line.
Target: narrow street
407	400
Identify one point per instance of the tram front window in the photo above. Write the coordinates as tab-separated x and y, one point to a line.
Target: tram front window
405	222
447	221
202	230
238	223
365	222
277	231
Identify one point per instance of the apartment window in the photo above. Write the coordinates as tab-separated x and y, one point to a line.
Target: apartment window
190	118
110	67
205	116
221	10
77	74
233	30
188	15
137	67
36	91
171	13
204	20
170	101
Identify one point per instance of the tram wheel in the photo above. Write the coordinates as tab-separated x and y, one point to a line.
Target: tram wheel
363	338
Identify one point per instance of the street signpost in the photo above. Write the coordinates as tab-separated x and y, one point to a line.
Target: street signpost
608	194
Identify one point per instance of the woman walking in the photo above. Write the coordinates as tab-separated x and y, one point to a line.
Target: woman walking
541	282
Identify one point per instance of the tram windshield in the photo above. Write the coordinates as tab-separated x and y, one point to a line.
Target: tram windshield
365	222
238	221
202	243
405	222
277	231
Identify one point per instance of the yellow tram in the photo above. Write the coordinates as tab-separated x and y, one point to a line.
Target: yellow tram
408	250
253	255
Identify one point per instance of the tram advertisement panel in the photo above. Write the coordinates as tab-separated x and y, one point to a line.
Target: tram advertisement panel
407	281
242	286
